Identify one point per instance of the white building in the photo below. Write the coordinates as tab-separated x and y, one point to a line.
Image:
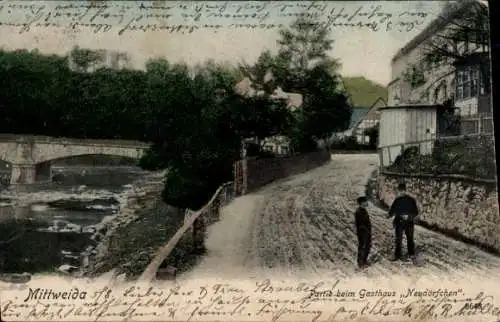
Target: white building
463	82
105	59
420	92
368	121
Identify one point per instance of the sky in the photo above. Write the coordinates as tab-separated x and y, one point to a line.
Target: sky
361	51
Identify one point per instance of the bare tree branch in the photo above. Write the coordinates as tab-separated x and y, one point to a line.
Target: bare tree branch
464	27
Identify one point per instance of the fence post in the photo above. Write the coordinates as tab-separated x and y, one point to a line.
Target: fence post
479	121
402	167
198	230
381	157
419	151
244	170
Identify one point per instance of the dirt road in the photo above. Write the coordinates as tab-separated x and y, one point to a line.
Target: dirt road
303	226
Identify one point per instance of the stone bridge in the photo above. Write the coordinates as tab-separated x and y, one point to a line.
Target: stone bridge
30	156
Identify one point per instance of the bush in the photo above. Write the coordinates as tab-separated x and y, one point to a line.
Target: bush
255	150
349	144
472	156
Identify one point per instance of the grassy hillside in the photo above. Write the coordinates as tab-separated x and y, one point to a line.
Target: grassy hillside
364	92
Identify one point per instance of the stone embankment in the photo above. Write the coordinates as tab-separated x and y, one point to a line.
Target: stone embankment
143	194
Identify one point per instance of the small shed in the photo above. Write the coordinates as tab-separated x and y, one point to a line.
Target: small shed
404	126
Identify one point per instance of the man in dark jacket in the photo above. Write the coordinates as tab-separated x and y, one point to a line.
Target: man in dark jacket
364	231
405	212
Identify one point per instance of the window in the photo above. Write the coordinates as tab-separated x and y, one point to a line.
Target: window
474	79
484	81
467	83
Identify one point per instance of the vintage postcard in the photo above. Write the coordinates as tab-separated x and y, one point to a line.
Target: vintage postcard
247	161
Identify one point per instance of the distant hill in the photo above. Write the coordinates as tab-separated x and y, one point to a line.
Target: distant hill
364	92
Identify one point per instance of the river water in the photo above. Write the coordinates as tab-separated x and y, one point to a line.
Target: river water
46	226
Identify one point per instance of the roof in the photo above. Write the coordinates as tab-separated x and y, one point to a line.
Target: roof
436	25
357	115
244	88
367	113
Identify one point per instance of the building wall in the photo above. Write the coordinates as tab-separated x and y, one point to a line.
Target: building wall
368	121
392	127
402	126
421	126
440	79
391	132
467	106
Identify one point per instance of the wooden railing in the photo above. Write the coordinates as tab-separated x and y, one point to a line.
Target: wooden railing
209	213
250	174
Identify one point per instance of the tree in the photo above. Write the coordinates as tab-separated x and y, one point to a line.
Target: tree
261	73
466	32
303	65
193	118
202	127
467	29
84	59
302	47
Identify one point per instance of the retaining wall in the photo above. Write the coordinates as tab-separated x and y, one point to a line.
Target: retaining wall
465	207
251	174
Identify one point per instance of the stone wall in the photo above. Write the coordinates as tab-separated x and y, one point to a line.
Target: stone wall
251	174
461	206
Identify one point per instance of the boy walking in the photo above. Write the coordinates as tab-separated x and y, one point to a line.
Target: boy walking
364	231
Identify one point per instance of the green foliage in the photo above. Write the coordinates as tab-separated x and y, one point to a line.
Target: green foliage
325	109
414	76
364	92
470	156
347	144
192	117
84	59
303	66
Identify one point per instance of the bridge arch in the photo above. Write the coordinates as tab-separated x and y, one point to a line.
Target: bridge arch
28	155
93	160
58	151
